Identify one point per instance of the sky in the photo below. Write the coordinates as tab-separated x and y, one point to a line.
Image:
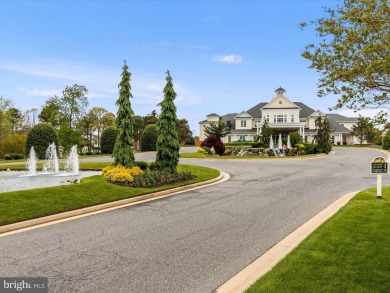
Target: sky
224	56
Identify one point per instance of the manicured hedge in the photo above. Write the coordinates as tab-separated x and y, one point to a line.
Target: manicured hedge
107	140
40	137
149	138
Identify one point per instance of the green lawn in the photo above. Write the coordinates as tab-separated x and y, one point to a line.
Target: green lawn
83	166
197	155
23	205
348	253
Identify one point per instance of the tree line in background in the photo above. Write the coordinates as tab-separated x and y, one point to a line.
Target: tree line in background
73	123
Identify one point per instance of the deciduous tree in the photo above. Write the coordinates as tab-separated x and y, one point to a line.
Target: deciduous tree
364	129
352	55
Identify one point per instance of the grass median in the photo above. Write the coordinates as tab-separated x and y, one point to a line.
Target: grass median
348	253
24	205
208	156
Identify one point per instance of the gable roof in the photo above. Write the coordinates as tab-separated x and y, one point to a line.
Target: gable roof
336	127
291	106
306	111
243	114
255	111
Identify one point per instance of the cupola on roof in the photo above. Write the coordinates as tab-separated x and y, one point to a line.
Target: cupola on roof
280	91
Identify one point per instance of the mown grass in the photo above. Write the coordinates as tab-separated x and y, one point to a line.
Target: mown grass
83	166
23	205
208	156
348	253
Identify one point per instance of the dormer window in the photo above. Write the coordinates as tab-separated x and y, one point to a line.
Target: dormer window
243	123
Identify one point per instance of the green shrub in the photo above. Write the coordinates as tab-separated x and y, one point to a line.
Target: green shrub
15	143
295	138
151	178
386	141
40	137
149	138
107	140
310	148
189	141
207	149
143	165
255	144
13	156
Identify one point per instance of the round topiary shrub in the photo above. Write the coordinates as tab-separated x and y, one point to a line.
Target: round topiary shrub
149	138
40	137
386	141
107	140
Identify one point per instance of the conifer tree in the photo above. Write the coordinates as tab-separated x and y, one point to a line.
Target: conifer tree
323	139
123	151
167	157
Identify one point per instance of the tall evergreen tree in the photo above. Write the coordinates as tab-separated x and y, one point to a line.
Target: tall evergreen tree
322	137
123	151
167	157
266	133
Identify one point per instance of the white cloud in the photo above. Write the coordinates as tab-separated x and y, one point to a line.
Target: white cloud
40	92
229	59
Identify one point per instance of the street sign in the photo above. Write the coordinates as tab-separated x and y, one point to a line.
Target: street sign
379	166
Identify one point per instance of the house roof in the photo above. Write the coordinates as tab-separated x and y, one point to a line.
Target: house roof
336	127
244	114
255	111
306	111
341	118
212	114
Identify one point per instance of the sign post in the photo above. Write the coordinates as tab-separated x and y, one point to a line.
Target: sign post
379	166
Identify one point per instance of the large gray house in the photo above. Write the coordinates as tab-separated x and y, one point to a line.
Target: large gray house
283	117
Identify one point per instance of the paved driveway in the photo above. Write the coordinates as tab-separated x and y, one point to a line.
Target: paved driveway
192	242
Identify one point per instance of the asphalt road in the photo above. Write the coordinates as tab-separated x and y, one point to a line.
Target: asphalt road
192	242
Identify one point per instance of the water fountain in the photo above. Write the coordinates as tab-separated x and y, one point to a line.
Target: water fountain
271	143
32	163
51	158
288	142
280	141
11	181
72	162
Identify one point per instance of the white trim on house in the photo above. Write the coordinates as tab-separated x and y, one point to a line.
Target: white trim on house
283	117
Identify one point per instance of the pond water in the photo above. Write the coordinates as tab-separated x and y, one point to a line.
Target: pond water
20	180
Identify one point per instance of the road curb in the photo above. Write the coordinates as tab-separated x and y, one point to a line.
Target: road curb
39	222
241	281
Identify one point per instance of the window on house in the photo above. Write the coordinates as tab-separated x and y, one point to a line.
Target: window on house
267	118
305	138
274	118
242	137
332	139
292	118
229	138
281	118
243	123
